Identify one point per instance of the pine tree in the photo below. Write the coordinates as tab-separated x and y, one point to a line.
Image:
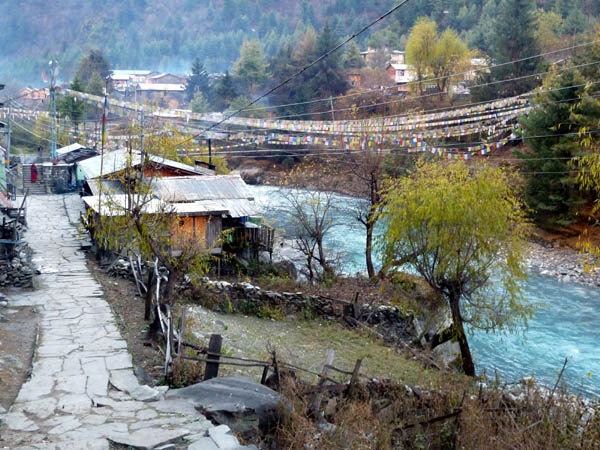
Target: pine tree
94	62
513	39
251	68
326	77
551	190
575	21
224	93
352	58
197	81
69	106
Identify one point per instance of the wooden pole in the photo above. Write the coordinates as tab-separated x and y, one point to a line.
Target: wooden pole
315	406
355	375
214	349
181	330
265	374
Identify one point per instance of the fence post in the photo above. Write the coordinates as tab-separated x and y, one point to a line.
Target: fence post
355	374
214	349
315	405
265	373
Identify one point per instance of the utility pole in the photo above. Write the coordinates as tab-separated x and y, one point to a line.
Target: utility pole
209	152
142	138
9	131
331	103
143	154
53	108
6	158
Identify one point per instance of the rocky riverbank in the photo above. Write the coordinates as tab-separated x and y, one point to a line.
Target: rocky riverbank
563	263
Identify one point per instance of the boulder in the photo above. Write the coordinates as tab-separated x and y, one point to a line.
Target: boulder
448	354
238	402
285	267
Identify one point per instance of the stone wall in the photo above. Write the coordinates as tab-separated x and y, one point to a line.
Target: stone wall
244	298
18	271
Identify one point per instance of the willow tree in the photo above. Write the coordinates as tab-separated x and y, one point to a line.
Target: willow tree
463	230
436	56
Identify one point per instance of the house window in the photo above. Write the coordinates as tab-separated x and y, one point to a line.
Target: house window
401	73
181	223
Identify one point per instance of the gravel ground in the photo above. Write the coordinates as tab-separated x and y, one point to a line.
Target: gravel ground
18	330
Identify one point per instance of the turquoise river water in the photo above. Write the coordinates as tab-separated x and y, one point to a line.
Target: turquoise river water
566	326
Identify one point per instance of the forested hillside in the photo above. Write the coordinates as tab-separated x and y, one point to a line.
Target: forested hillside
169	34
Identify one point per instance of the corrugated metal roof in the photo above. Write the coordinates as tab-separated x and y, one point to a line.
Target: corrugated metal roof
179	189
69	148
228	191
110	187
219	194
117	160
116	205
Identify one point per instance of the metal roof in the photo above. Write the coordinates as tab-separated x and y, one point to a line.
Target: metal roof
116	205
117	160
225	192
196	195
110	187
69	148
217	187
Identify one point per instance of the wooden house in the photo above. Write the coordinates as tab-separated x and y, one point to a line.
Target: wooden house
203	208
113	164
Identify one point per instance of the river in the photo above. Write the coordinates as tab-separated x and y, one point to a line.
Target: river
566	325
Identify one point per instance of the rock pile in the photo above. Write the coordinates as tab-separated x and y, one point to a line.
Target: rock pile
18	271
565	264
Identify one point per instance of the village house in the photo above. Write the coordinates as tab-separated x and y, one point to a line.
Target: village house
401	75
166	78
112	164
353	79
34	94
124	79
371	55
203	204
170	96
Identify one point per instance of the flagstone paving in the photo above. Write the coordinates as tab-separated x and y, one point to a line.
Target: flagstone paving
82	391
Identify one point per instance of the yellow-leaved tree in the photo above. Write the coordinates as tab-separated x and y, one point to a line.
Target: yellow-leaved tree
464	231
436	56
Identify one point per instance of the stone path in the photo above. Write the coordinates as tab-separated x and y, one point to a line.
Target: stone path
82	391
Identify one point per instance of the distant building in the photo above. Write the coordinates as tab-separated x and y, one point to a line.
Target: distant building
478	66
401	75
353	79
170	96
123	79
166	78
34	94
387	56
397	57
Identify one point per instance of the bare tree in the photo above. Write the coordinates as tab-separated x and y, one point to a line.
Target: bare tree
311	213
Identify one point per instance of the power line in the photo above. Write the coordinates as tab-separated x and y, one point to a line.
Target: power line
305	68
426	80
434	94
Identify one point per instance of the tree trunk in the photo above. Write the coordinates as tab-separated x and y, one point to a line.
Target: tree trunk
149	294
369	249
465	351
327	270
169	288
